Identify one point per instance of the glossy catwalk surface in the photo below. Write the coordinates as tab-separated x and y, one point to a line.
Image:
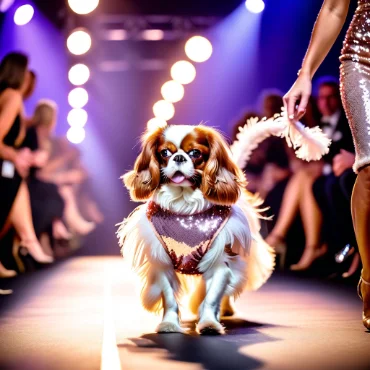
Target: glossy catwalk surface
84	314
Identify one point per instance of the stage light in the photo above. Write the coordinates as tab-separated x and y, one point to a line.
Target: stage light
152	35
155	123
198	49
172	91
79	42
83	6
23	15
79	74
78	97
5	5
255	6
77	118
76	135
183	72
164	110
115	35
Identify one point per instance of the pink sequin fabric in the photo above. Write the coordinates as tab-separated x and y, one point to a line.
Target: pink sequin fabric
355	82
187	238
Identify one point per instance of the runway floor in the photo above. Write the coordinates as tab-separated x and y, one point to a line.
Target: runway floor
84	314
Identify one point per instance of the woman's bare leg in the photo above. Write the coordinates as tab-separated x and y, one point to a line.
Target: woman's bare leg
289	209
361	222
72	215
312	225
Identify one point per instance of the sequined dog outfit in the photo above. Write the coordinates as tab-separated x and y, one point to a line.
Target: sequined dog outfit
355	81
187	238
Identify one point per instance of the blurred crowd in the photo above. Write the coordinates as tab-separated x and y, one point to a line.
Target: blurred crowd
309	217
46	202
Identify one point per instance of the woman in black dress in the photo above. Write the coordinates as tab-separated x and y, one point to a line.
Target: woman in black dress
15	209
46	203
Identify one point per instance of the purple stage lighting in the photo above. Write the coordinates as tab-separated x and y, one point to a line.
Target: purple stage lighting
23	15
255	6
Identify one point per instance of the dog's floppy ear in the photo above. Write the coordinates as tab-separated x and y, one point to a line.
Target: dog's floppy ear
222	179
145	177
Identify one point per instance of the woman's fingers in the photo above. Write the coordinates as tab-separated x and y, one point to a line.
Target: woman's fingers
290	104
303	105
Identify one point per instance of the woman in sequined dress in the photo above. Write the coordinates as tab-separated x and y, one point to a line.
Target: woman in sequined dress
355	90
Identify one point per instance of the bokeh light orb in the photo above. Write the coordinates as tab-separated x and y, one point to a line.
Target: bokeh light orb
172	91
164	110
76	135
23	15
77	117
79	42
155	123
198	49
83	6
78	97
152	35
183	72
79	74
255	6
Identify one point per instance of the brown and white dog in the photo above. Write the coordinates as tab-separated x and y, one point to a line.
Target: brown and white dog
197	220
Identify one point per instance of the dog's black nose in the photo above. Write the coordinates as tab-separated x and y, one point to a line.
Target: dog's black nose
179	158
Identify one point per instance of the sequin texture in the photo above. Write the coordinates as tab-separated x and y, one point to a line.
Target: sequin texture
355	81
187	238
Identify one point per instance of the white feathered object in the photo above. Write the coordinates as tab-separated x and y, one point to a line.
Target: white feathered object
310	144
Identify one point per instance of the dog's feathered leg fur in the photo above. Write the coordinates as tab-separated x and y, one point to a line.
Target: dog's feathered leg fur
170	322
216	280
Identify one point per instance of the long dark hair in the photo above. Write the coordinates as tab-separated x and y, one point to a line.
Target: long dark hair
13	69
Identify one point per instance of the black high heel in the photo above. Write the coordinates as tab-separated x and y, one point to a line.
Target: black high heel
365	319
25	259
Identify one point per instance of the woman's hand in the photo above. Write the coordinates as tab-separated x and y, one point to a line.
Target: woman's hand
342	162
300	93
23	162
75	176
40	158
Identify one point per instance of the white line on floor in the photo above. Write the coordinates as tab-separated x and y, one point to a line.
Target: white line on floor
109	356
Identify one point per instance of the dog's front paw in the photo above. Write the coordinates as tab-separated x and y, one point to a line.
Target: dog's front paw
209	327
169	327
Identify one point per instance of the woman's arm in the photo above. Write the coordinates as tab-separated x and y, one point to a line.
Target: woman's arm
326	30
10	107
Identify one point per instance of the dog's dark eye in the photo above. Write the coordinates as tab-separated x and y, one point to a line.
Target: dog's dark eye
165	153
195	153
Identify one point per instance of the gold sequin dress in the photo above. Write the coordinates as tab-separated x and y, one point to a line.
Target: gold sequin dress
355	81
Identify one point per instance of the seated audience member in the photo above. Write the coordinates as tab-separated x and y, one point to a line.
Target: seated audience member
299	196
46	203
333	195
328	189
65	169
270	160
15	209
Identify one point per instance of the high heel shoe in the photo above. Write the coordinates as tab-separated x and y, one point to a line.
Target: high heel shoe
22	249
5	273
365	315
344	253
278	243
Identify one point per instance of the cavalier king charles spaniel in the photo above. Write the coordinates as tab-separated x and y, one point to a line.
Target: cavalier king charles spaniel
197	233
